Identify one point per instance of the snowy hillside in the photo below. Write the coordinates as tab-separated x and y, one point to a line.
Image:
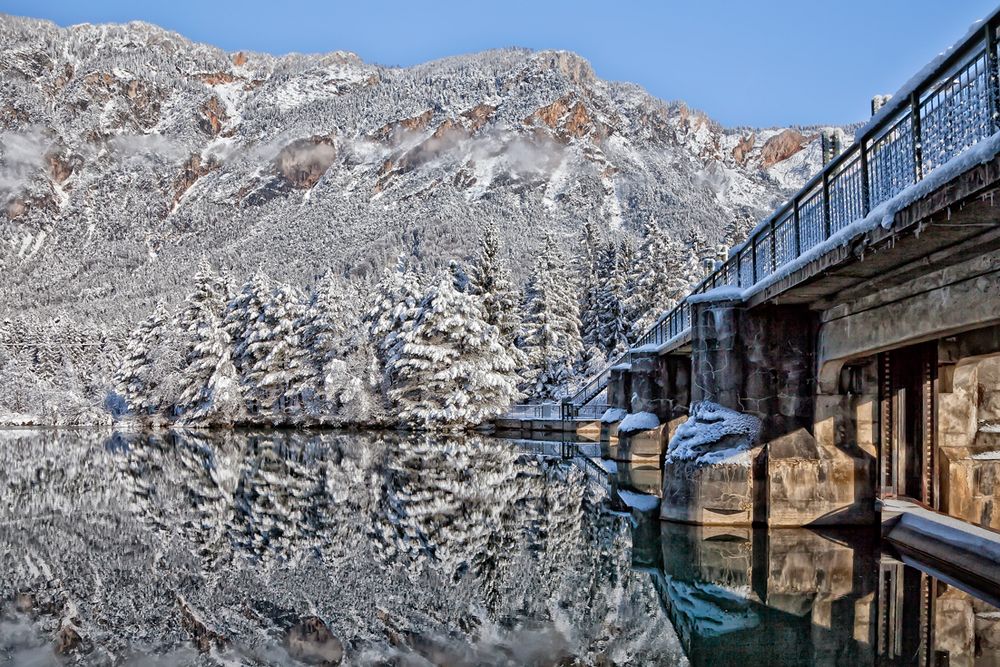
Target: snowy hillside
130	154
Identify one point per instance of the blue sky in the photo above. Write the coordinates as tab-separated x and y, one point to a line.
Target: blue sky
773	62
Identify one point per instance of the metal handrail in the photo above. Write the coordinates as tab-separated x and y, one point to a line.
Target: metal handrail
953	107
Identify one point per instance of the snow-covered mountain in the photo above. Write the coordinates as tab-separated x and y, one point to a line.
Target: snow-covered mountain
130	154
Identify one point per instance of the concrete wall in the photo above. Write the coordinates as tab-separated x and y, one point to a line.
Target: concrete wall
968	419
934	305
761	362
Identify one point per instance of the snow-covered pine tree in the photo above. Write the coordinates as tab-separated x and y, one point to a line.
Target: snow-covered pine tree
211	390
490	281
244	322
659	279
326	332
280	371
396	307
611	301
589	253
593	358
452	370
459	276
134	379
551	326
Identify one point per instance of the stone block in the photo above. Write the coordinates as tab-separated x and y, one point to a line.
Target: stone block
970	487
715	494
641	478
721	555
645	446
810	484
620	387
803	567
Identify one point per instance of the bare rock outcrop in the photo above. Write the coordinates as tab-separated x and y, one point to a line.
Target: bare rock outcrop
782	146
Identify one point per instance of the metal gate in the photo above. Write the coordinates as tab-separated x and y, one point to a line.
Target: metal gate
908	390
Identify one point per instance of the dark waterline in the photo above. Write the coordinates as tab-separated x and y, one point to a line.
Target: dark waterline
184	548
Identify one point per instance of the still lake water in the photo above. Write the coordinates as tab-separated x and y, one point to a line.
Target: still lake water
286	547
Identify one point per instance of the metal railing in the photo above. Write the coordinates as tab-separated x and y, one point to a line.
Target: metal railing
952	108
556	411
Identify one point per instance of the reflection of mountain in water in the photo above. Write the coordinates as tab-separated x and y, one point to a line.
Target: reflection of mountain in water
462	550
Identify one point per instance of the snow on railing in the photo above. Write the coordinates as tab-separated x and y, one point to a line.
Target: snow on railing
952	106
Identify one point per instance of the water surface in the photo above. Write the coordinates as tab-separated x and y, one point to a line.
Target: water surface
303	548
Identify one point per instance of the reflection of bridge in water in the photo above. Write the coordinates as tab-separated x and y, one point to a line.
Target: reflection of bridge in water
795	596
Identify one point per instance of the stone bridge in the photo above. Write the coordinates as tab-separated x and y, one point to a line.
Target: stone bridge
849	350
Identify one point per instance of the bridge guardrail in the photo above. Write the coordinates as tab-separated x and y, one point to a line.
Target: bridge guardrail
950	106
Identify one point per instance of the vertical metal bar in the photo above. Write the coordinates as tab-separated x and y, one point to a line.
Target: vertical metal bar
865	188
993	76
798	229
918	156
885	436
753	260
774	253
826	205
930	424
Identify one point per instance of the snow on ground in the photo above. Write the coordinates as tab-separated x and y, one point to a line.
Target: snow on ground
666	345
714	434
958	533
639	421
723	293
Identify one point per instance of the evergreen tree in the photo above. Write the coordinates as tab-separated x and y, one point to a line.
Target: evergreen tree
611	301
452	369
490	281
594	357
551	327
328	326
396	307
587	265
459	276
279	372
134	379
659	280
211	388
244	322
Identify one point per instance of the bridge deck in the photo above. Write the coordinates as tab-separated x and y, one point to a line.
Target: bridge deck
955	222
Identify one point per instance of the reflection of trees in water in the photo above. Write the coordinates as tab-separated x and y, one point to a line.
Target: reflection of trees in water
463	546
524	533
275	496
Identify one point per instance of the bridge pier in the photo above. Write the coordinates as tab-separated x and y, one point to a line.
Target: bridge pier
760	362
655	384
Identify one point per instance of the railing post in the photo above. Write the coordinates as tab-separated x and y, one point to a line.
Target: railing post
918	156
825	194
993	73
865	192
774	251
798	229
753	260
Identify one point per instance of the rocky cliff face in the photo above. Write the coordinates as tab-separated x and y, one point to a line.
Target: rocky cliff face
130	154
